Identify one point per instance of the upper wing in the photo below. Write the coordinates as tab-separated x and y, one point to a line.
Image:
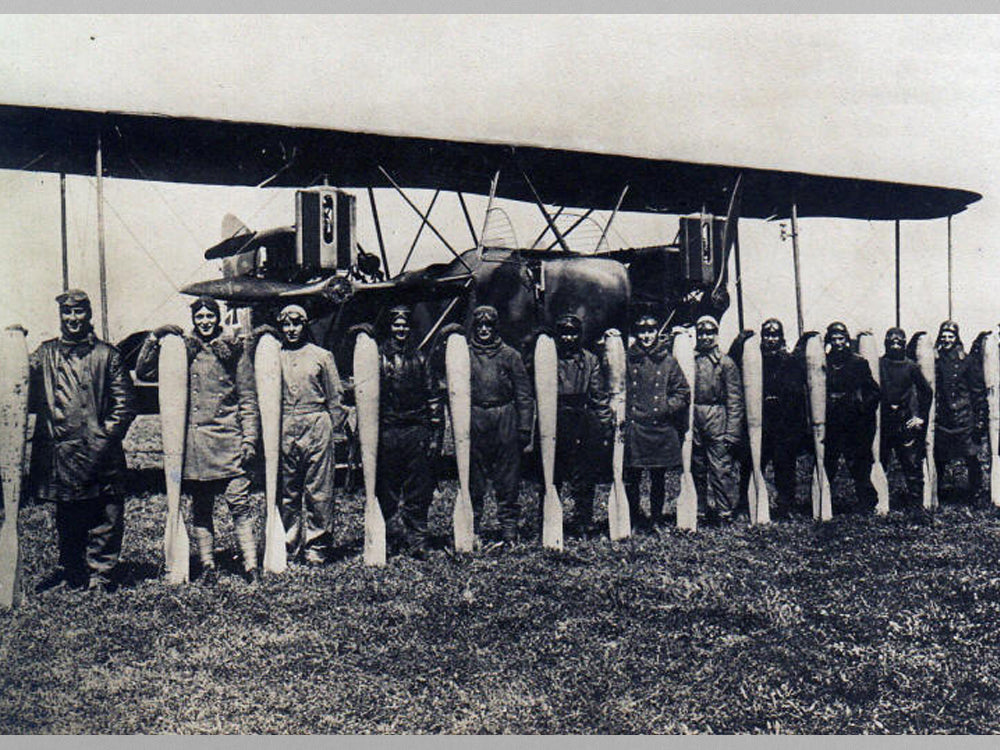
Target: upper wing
181	149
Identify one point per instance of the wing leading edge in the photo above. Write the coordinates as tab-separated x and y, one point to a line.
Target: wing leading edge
221	152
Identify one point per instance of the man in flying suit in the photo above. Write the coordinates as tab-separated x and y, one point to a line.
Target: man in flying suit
657	397
906	401
785	424
718	423
960	388
312	420
84	401
583	415
852	396
222	430
502	413
410	422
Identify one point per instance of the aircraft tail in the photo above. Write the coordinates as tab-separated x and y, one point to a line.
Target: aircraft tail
232	227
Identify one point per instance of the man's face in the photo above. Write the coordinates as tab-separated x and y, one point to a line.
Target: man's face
770	340
74	320
646	332
484	330
292	329
206	322
947	339
400	329
895	345
705	337
569	340
838	343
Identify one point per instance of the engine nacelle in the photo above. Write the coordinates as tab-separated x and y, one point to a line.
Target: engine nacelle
325	221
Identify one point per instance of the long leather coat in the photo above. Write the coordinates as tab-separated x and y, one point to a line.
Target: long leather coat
222	404
852	396
786	405
656	405
499	380
959	386
84	402
409	394
905	394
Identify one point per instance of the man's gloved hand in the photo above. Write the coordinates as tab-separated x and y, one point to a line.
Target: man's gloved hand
451	328
914	423
260	330
247	454
367	328
166	330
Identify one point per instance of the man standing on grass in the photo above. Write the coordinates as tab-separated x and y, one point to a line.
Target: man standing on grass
906	401
960	390
852	397
84	402
312	418
785	429
410	422
222	430
502	412
657	397
718	423
583	415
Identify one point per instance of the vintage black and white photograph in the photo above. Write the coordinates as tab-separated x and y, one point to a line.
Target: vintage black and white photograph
465	374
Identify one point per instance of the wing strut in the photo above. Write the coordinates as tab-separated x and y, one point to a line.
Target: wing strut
102	265
421	215
548	219
610	220
897	274
441	318
797	268
572	226
378	233
416	238
468	219
949	269
546	229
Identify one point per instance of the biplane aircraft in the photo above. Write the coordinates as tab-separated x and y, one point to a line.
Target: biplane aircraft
318	260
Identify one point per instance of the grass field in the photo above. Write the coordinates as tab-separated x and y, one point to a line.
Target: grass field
858	625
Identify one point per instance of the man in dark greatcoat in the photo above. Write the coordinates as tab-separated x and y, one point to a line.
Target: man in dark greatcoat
959	388
785	426
906	401
222	431
852	397
657	397
582	418
84	402
502	412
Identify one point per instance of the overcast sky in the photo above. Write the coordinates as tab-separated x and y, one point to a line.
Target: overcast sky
905	98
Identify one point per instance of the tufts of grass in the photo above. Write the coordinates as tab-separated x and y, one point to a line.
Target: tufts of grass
859	625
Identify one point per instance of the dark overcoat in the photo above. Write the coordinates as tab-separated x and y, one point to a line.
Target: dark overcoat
657	397
84	402
958	388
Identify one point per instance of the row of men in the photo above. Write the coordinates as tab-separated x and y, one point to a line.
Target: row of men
83	396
